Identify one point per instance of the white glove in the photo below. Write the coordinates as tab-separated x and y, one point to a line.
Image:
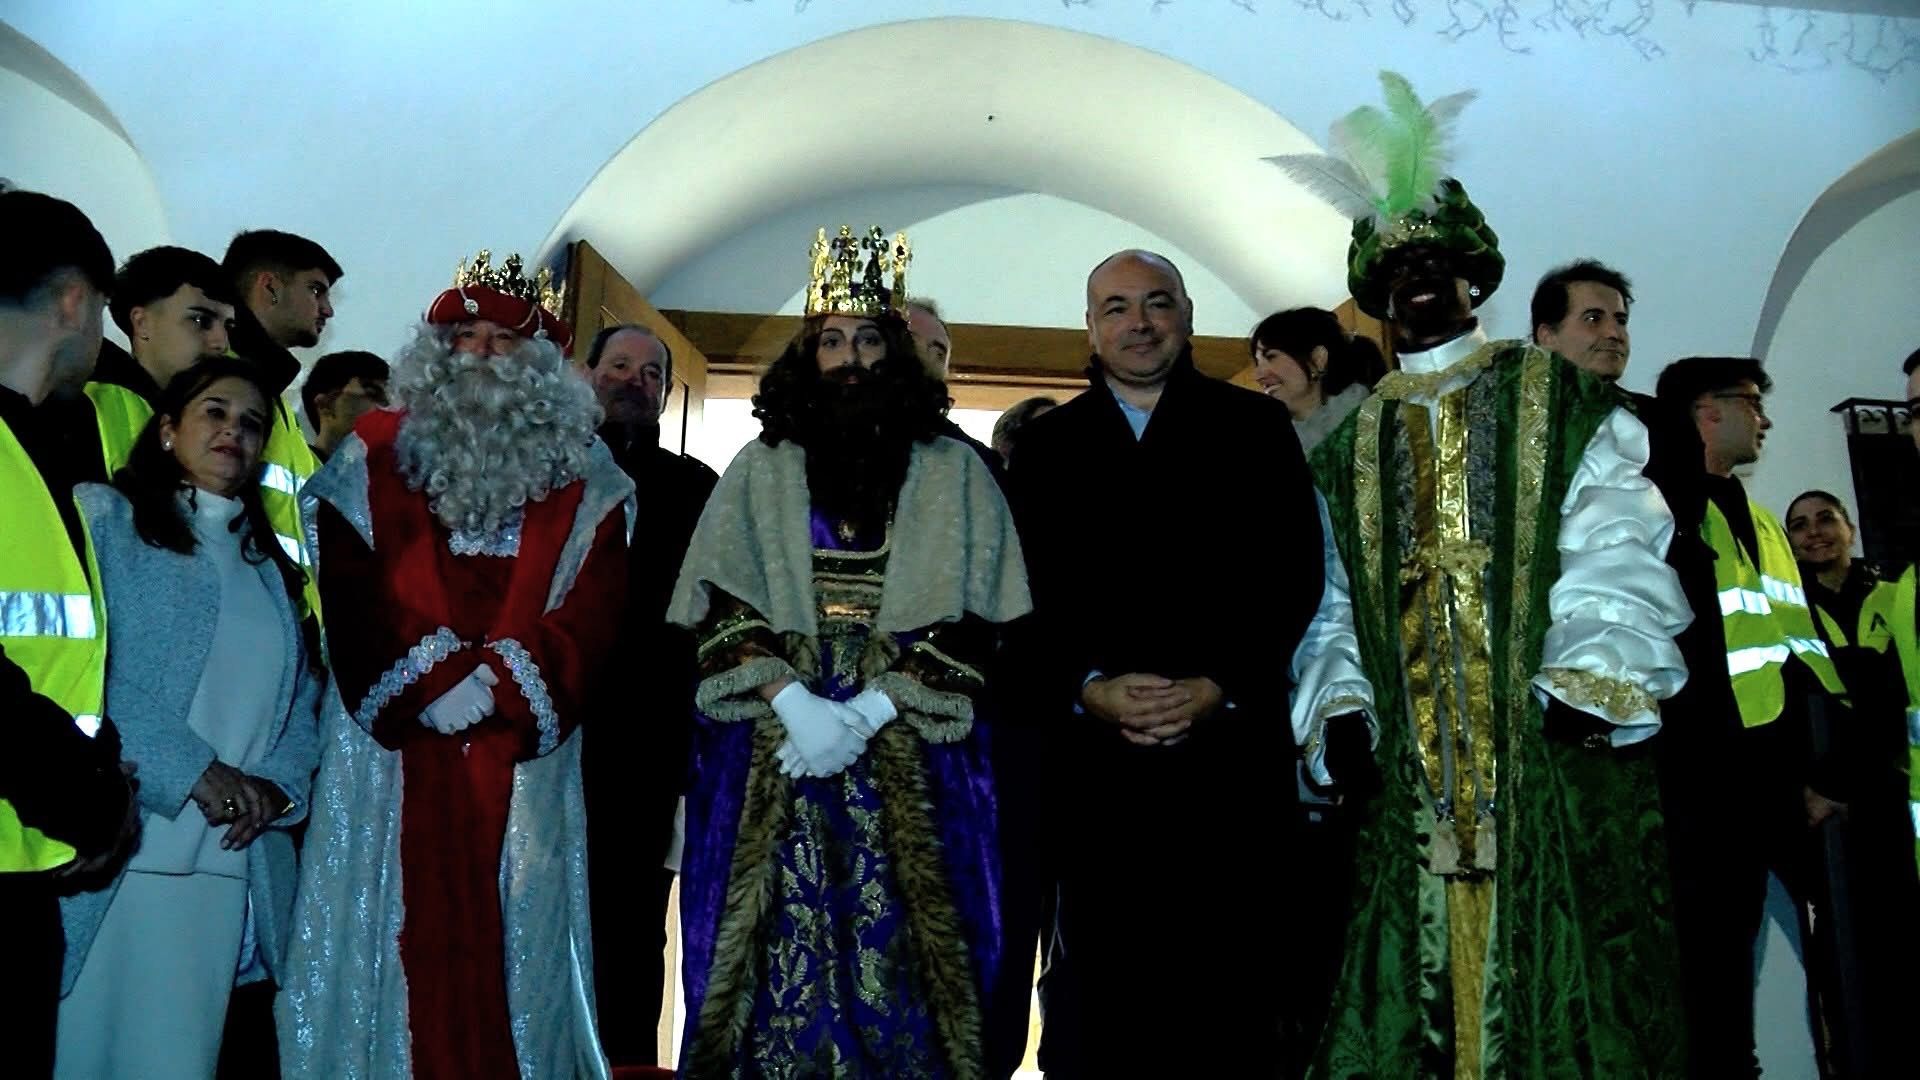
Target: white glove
871	710
468	703
821	740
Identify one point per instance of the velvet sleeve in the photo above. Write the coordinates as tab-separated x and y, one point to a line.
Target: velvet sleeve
546	669
388	670
938	677
737	652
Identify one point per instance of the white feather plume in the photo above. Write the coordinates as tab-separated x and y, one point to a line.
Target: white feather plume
1335	181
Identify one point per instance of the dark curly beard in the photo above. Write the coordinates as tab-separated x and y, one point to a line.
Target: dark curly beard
857	451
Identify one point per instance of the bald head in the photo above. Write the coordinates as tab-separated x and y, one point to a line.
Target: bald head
1139	317
1136	255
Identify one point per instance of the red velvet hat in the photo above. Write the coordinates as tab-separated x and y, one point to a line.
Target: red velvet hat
501	295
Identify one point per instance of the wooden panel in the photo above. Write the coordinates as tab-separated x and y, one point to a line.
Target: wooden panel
980	350
598	297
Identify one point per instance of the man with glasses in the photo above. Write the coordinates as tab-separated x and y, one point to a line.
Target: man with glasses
1771	788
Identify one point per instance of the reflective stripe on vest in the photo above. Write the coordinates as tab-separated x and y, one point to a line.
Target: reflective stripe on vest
122	415
286	462
1763	610
26	614
51	625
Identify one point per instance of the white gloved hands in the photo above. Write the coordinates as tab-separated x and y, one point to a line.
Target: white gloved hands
821	735
872	709
469	702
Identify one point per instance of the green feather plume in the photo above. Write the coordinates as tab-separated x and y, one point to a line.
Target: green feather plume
1386	162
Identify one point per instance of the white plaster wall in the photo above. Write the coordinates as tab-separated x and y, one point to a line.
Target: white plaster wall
46	144
1844	334
986	254
404	136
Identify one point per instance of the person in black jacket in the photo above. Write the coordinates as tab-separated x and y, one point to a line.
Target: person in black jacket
634	759
1162	665
56	776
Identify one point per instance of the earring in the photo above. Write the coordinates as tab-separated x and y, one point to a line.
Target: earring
1473	290
166	444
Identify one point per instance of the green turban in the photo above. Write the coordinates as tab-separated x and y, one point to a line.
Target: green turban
1455	225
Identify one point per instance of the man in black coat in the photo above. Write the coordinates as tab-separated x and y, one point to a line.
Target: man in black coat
634	759
1175	555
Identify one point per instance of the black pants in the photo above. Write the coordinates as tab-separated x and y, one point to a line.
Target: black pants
631	787
29	974
1325	838
1729	826
1174	906
250	1045
1021	779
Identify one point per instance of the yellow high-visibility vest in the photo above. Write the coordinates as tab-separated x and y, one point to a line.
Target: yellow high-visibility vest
1897	606
52	623
123	414
286	463
1763	609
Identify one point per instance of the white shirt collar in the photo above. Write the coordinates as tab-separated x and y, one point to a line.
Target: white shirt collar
1443	356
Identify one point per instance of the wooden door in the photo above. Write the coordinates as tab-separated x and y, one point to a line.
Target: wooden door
598	297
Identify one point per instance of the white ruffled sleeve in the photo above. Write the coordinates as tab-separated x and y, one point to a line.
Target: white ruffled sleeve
1617	605
1327	676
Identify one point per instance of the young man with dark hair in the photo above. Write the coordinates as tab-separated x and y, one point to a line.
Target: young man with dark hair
1756	800
174	305
1580	311
65	805
284	284
341	388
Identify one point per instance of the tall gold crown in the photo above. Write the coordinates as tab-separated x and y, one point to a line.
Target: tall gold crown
849	275
508	279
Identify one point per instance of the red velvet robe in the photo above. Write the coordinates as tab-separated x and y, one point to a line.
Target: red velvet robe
381	602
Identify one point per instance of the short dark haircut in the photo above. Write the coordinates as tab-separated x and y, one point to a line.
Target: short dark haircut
1550	297
1297	332
331	374
157	273
1913	361
601	339
44	236
281	253
1006	430
1683	381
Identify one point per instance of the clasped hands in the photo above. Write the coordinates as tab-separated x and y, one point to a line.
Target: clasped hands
469	702
247	803
1151	710
824	737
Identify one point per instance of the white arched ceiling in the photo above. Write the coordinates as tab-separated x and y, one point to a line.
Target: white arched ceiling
967	101
59	137
1885	175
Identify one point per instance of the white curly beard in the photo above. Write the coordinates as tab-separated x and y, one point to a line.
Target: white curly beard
485	435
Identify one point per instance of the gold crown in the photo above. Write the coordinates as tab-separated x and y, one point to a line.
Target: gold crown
508	279
842	285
